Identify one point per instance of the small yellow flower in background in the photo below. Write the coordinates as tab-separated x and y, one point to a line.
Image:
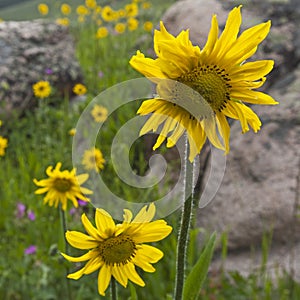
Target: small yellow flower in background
146	5
82	10
65	9
93	160
1	20
99	113
121	13
99	22
41	89
98	10
81	19
79	89
148	26
102	32
132	24
107	14
63	21
61	186
43	9
131	10
3	145
115	249
218	73
120	27
72	132
91	3
1	123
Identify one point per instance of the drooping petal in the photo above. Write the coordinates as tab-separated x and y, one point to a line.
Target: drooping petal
104	277
90	229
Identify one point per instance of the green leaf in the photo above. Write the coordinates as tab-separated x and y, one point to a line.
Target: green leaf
198	273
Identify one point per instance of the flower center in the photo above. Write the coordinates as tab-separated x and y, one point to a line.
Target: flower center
211	82
117	250
62	185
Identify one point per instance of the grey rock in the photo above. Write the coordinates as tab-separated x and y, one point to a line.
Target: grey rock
28	49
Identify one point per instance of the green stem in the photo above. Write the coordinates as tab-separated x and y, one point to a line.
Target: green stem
186	218
66	247
113	288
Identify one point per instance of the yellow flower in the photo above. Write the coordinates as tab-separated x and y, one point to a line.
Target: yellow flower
61	186
146	5
3	145
148	26
91	3
216	79
120	28
102	32
72	132
79	89
108	14
131	10
115	249
82	10
43	9
0	123
132	24
93	160
121	13
42	89
65	9
81	19
98	9
63	21
99	113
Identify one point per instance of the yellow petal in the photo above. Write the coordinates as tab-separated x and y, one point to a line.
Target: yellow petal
90	229
80	240
224	130
149	253
254	97
104	277
212	38
146	214
81	258
104	223
120	276
132	275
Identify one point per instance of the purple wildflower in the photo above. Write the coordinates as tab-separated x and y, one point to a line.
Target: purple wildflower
81	202
100	74
20	210
30	250
30	215
48	71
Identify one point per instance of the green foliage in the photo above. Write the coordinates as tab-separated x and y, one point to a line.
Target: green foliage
197	275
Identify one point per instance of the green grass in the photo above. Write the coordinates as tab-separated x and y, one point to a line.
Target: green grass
41	138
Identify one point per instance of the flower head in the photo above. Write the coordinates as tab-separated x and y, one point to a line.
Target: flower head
65	9
102	32
198	89
148	26
43	9
120	28
63	21
42	89
72	131
30	250
93	160
3	145
61	186
116	249
131	10
99	113
132	24
79	89
81	10
20	211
